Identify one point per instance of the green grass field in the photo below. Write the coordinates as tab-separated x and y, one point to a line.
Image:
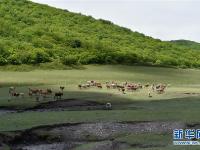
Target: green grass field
168	106
173	105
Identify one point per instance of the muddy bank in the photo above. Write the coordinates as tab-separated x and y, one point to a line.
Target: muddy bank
103	131
66	105
102	145
5	111
70	104
70	136
58	105
54	146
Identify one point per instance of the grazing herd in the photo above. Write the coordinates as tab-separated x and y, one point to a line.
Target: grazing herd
125	87
121	87
37	93
12	92
90	84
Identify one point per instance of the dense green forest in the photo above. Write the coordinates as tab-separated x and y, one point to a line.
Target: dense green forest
187	44
32	33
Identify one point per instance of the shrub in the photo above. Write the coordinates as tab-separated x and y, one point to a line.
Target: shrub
41	57
14	59
87	58
27	58
70	60
3	61
75	44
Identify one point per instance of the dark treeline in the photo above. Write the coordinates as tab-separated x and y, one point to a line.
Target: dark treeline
32	33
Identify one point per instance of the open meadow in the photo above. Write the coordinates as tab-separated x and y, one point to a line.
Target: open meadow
145	122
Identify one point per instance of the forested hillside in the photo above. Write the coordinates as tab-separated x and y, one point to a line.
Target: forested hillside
187	44
33	33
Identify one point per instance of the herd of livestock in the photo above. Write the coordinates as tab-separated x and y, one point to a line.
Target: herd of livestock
122	87
37	93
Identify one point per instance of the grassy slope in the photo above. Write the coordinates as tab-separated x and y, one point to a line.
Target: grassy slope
34	33
172	105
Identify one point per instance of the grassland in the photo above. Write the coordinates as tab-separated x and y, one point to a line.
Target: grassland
173	105
180	81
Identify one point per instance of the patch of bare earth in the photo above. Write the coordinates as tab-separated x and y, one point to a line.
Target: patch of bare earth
70	136
70	104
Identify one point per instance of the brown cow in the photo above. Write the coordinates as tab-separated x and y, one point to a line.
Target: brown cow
99	86
15	94
33	91
83	86
58	95
46	92
11	90
123	91
108	86
160	88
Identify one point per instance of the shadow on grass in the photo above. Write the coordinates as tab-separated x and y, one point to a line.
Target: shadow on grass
118	101
124	109
8	84
191	103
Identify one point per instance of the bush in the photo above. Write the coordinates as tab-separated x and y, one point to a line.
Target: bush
75	44
3	61
87	58
28	58
14	59
70	60
41	57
